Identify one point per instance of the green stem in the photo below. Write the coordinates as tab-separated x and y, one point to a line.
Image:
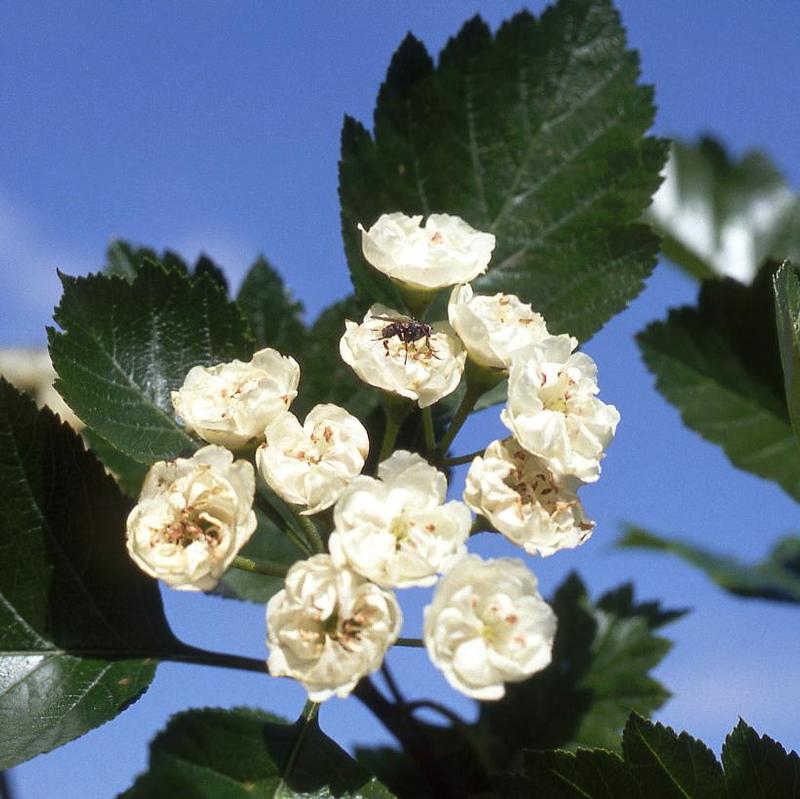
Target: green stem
310	531
389	438
459	459
202	657
272	504
418	643
464	409
307	717
268	568
430	435
396	409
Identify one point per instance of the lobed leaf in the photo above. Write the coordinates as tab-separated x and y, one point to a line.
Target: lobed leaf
126	345
535	134
80	626
244	753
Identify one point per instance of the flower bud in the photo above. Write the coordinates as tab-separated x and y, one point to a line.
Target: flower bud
193	516
525	501
397	530
488	625
329	627
230	404
553	411
397	354
311	464
443	251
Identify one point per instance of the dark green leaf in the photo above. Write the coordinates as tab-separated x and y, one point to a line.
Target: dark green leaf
128	473
275	317
205	266
80	626
243	754
722	217
670	766
269	543
777	577
127	345
759	767
124	259
535	134
719	364
786	285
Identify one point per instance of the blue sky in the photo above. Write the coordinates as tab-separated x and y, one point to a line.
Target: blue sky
209	126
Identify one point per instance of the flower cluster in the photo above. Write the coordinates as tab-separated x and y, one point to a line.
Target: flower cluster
392	528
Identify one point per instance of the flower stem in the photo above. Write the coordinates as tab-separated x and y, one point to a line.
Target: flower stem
459	459
310	531
271	504
307	717
430	435
268	568
202	657
397	409
417	643
464	409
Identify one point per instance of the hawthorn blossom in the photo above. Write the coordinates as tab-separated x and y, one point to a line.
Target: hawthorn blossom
397	530
231	403
553	411
488	625
193	516
443	251
311	464
424	370
329	627
525	501
494	328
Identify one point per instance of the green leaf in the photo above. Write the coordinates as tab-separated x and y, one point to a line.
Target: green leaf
602	658
719	364
786	285
124	259
660	764
80	626
268	543
535	134
777	577
128	473
245	753
758	766
723	217
127	345
205	266
275	317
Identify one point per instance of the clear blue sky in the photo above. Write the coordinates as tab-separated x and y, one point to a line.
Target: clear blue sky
215	126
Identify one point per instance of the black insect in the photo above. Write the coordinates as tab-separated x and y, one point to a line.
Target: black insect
407	329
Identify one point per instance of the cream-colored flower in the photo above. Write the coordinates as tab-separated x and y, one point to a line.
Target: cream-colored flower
231	403
488	625
193	516
397	530
524	500
311	464
494	328
425	369
32	371
443	251
553	411
329	627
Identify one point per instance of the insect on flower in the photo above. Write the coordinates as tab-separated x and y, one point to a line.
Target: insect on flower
407	329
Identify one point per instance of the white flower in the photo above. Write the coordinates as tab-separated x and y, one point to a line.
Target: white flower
396	530
231	403
525	501
494	328
552	409
442	252
424	370
311	464
329	627
193	516
488	625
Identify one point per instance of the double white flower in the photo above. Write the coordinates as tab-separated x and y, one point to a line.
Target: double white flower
488	625
329	627
443	251
553	411
525	501
231	403
193	516
311	464
494	328
424	370
397	530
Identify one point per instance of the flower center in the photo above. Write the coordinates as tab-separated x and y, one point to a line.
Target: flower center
556	396
192	525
